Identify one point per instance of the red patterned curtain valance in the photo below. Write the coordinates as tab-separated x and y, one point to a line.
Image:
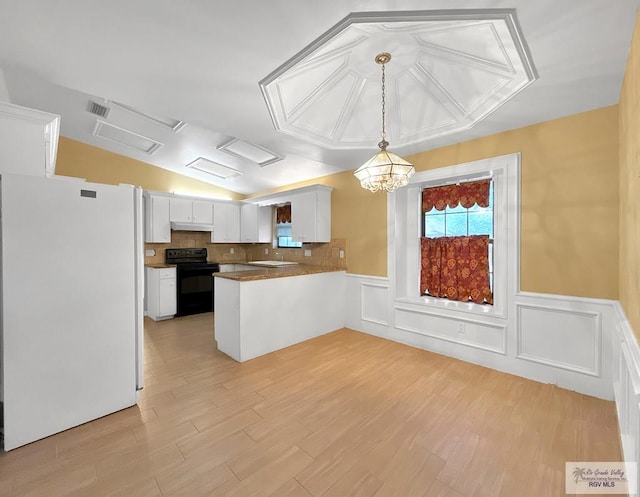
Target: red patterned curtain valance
465	194
283	214
457	268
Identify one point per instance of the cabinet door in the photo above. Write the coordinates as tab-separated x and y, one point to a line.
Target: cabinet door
226	223
303	217
167	297
157	227
249	223
219	223
202	212
233	223
180	210
265	224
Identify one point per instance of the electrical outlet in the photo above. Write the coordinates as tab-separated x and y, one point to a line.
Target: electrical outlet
460	327
307	253
232	250
342	254
149	253
266	251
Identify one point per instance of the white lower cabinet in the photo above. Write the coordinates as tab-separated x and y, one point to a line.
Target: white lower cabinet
161	293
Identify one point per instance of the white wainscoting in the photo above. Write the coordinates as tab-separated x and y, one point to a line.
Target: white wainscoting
554	339
626	385
580	344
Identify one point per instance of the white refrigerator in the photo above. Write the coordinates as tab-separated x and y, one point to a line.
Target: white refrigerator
71	303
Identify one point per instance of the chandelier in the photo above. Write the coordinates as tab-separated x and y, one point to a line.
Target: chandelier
385	170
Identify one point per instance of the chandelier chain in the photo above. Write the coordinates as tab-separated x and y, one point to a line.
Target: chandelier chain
383	104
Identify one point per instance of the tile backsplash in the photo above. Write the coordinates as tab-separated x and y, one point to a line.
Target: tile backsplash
322	254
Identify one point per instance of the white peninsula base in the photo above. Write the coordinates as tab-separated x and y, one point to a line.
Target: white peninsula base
255	317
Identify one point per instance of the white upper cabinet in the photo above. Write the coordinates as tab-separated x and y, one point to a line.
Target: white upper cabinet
256	223
191	211
180	210
202	212
311	215
28	140
226	223
157	228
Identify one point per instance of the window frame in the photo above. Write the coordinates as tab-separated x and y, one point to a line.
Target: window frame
404	230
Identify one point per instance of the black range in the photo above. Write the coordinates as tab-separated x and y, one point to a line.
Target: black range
194	279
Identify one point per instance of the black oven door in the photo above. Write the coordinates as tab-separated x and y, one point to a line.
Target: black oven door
194	289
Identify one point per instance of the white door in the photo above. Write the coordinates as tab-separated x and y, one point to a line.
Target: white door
69	309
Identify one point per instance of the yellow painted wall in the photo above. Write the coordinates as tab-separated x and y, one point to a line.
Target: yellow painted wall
99	166
569	239
569	188
629	269
569	227
358	216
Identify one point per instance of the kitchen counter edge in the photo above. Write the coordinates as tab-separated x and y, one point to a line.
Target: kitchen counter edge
276	272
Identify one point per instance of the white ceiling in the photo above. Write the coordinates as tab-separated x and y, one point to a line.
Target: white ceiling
202	62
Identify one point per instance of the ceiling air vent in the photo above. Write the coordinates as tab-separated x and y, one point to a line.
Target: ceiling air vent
97	109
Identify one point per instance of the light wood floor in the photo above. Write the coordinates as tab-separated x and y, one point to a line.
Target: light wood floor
345	415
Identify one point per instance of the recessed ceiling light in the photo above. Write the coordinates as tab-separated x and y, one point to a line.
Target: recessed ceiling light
173	124
125	137
249	151
213	168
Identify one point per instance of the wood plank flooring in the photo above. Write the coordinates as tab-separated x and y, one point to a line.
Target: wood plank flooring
346	414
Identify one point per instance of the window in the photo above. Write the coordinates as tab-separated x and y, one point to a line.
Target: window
462	221
407	228
283	232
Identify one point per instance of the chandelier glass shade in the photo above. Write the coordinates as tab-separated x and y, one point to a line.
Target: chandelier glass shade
385	170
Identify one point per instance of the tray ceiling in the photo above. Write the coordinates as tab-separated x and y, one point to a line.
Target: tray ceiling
190	80
449	70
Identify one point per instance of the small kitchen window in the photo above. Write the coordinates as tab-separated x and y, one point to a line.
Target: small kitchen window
283	227
283	232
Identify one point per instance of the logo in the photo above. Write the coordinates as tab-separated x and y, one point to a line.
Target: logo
603	478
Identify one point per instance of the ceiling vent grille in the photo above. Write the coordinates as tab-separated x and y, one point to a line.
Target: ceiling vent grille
98	109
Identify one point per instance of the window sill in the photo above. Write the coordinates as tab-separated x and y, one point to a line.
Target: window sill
452	306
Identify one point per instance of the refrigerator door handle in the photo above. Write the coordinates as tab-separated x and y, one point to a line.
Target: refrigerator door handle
139	283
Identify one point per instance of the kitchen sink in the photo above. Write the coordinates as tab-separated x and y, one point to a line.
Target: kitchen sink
272	263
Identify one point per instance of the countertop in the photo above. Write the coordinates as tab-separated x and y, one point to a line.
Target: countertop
276	272
159	266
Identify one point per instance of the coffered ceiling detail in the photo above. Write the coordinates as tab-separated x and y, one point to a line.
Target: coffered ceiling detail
449	70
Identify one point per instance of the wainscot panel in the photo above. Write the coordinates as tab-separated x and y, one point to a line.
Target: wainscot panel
548	338
626	385
576	337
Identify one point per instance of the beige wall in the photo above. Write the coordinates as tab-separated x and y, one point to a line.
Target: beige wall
569	220
99	166
629	119
360	218
569	204
569	199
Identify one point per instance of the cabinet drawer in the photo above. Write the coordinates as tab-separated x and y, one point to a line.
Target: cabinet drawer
167	273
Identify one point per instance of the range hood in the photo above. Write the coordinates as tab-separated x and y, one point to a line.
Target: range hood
191	226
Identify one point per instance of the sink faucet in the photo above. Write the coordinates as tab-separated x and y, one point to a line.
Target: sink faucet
281	256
